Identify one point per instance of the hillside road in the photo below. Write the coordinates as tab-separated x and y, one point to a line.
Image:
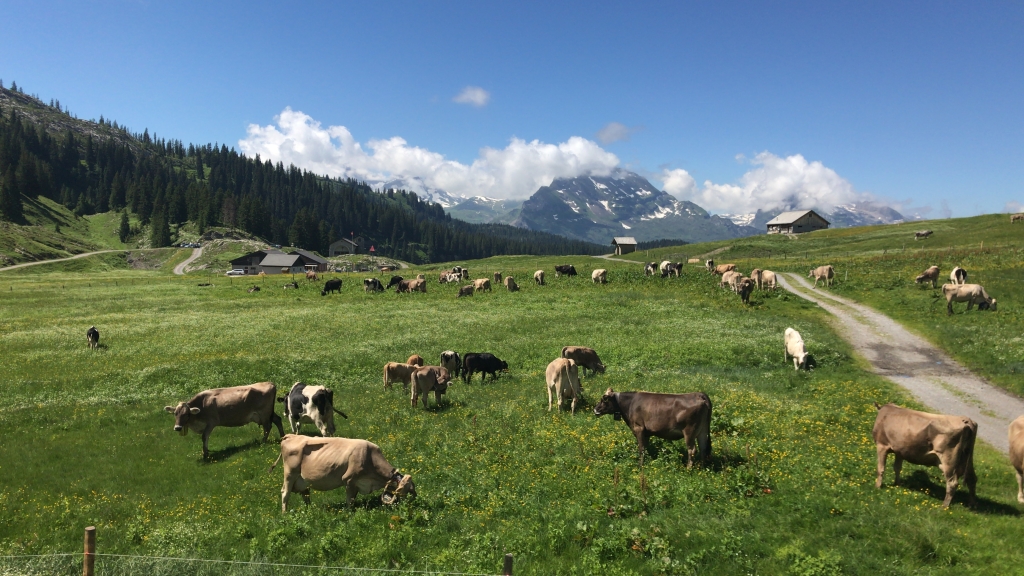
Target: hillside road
932	377
75	257
180	268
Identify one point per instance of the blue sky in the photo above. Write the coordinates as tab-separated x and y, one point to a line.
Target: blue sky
918	104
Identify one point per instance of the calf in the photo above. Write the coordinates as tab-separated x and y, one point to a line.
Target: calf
372	285
958	276
922	234
310	405
398	372
92	336
584	357
566	269
927	440
483	362
466	291
450	359
599	276
650	268
970	293
510	284
395	281
563	381
931	274
823	273
332	285
668	416
794	346
415	360
744	288
709	265
1017	454
482	284
231	407
497	278
538	277
427	379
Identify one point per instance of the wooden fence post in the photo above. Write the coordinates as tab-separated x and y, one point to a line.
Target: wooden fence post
89	559
507	570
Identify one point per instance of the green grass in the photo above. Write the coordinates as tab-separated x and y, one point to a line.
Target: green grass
791	489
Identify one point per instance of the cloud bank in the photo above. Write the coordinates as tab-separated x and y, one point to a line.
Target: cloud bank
615	132
474	96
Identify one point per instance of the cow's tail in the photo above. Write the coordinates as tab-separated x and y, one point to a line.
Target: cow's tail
965	450
274	465
704	435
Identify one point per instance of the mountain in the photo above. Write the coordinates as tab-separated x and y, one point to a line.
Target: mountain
481	210
596	208
843	216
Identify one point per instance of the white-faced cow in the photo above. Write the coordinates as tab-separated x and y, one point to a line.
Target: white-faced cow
824	273
372	285
927	440
929	275
650	268
310	405
958	276
709	265
92	336
970	293
451	360
231	407
794	346
599	276
429	379
566	269
563	382
584	357
329	463
668	416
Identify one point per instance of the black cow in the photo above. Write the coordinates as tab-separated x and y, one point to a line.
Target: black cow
394	281
668	416
92	335
332	285
313	405
567	269
372	285
483	362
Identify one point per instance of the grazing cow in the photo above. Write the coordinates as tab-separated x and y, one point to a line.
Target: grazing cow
929	275
415	360
310	405
395	280
427	379
332	285
650	268
328	463
92	336
709	265
464	274
497	278
824	273
372	285
584	357
767	279
1016	218
564	381
311	276
663	268
291	285
457	270
399	372
970	293
538	277
466	291
723	268
510	284
483	362
671	269
794	346
958	276
729	279
482	284
231	407
599	276
668	416
450	359
744	288
567	269
922	234
755	275
253	289
1017	454
927	440
418	285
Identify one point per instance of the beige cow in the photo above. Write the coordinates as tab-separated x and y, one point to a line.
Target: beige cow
429	379
398	372
927	440
723	268
497	278
929	275
538	277
510	284
563	382
824	273
482	284
421	277
466	291
328	463
970	293
728	278
599	276
794	346
418	285
1016	218
1017	454
767	281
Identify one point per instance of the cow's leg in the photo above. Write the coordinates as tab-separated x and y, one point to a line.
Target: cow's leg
574	404
295	422
286	490
951	484
641	443
415	394
305	496
437	397
351	491
971	480
949	307
897	465
206	441
1020	486
883	453
549	399
691	448
276	420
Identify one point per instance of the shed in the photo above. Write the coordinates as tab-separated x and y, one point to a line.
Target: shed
344	246
275	263
624	245
311	260
250	263
797	222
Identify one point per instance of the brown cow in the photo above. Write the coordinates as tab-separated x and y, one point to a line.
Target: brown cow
510	284
231	407
427	379
482	284
824	273
399	372
497	278
415	360
584	357
311	276
466	291
927	440
970	293
418	285
723	268
744	287
668	416
563	381
929	275
1017	454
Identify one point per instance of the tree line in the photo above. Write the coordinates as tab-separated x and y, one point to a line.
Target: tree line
165	184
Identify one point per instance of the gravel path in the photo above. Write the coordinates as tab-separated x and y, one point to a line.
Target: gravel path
180	268
935	379
75	257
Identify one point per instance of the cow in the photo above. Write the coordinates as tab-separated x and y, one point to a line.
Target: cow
415	360
922	234
970	293
482	284
931	274
668	416
824	273
670	268
793	345
927	440
457	270
464	274
650	268
1017	454
311	276
92	336
328	463
399	372
538	277
1016	218
466	291
483	362
599	276
395	280
723	268
729	279
497	278
767	279
291	285
254	289
709	265
510	284
563	382
332	285
310	405
427	379
755	275
958	276
744	287
418	285
372	285
231	407
450	359
567	269
584	357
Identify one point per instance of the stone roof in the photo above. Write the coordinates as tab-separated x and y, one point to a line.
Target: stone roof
791	217
620	240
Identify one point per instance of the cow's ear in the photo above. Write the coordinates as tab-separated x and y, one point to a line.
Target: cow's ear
169	409
193	411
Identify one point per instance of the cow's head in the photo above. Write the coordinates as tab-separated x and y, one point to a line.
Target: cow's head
504	366
991	305
443	377
608	405
183	414
599	368
397	487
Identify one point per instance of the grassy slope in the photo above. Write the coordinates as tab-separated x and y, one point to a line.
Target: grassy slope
87	441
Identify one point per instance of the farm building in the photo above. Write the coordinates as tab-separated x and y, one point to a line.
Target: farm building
797	222
624	245
250	263
344	246
281	263
311	260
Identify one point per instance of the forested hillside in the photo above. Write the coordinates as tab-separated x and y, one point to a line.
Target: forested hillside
99	166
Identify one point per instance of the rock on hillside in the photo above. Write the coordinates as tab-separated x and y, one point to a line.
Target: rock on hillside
60	121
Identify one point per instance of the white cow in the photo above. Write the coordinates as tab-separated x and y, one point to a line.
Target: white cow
599	276
795	348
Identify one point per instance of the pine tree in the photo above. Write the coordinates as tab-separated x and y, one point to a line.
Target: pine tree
160	235
124	231
10	199
200	170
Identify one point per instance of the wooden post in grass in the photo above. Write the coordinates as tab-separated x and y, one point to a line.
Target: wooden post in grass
89	559
507	569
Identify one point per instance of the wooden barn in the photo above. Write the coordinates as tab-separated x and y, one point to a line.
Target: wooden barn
797	222
624	245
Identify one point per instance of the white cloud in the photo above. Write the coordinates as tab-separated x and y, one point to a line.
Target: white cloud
1014	207
678	182
614	132
516	171
474	96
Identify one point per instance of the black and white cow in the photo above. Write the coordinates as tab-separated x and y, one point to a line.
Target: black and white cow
372	285
450	360
565	269
92	335
312	405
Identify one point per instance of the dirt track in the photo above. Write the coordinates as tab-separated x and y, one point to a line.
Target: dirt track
935	379
75	257
180	268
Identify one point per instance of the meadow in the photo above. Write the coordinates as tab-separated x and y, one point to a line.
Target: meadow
790	488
